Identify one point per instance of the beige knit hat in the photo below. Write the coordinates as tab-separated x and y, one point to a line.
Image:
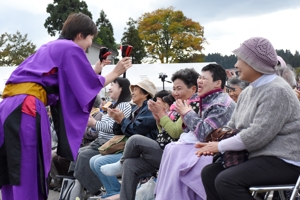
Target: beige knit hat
147	85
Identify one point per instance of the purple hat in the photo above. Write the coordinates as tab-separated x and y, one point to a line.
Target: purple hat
259	53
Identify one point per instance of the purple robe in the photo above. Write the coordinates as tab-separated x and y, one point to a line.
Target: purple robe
61	64
179	175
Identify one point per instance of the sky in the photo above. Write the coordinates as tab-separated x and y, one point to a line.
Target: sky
226	23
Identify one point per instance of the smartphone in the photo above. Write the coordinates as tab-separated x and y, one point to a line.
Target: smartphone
126	50
104	53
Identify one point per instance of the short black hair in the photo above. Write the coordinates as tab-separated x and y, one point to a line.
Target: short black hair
145	92
169	99
217	72
161	94
188	75
78	23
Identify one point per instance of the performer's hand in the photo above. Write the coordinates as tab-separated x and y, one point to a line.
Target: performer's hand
209	148
116	114
99	65
123	65
182	107
91	122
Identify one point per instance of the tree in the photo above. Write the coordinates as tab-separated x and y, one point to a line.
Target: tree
105	35
14	49
226	62
59	12
169	36
131	37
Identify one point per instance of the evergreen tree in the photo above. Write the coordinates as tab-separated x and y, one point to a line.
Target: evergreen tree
131	37
59	11
105	35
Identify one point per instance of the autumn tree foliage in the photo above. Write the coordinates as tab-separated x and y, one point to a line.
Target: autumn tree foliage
171	37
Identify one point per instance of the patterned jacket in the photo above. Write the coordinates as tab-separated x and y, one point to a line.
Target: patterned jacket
216	108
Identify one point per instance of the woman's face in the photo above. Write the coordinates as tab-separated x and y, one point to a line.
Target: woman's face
181	91
138	96
84	43
234	92
246	72
114	91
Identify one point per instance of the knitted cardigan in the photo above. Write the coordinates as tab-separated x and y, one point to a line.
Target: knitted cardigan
269	119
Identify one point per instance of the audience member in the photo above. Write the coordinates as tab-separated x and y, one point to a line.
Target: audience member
141	122
120	94
235	86
142	155
179	160
267	116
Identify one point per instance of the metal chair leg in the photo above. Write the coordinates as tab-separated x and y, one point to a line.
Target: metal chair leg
295	190
281	194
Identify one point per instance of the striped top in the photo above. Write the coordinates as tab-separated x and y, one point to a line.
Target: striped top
105	126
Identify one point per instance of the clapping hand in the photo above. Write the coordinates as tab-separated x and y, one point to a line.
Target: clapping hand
116	114
182	107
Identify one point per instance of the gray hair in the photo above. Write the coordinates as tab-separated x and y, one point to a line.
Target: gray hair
287	73
236	81
97	101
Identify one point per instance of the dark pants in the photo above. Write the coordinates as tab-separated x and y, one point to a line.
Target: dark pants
141	156
61	164
233	183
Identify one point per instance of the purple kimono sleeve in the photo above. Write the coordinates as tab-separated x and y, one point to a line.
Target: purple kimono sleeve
78	87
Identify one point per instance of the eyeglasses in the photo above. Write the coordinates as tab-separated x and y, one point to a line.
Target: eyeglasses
228	89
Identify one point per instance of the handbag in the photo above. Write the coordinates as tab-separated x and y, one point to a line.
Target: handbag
115	145
70	189
146	190
228	158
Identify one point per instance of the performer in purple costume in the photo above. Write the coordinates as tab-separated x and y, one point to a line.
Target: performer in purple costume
59	75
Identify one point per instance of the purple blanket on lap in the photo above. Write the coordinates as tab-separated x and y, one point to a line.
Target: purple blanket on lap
179	173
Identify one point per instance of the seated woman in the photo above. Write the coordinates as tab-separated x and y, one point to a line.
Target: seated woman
143	155
179	160
235	86
120	94
140	122
268	117
90	135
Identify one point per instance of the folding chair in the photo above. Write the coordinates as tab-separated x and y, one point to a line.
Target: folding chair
279	188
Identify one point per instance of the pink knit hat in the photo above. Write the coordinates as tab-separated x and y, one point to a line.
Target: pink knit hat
259	53
281	62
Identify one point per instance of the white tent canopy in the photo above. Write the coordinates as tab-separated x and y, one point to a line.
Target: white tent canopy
139	72
4	75
135	74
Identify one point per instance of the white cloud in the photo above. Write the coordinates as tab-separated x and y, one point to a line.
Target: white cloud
278	27
222	31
